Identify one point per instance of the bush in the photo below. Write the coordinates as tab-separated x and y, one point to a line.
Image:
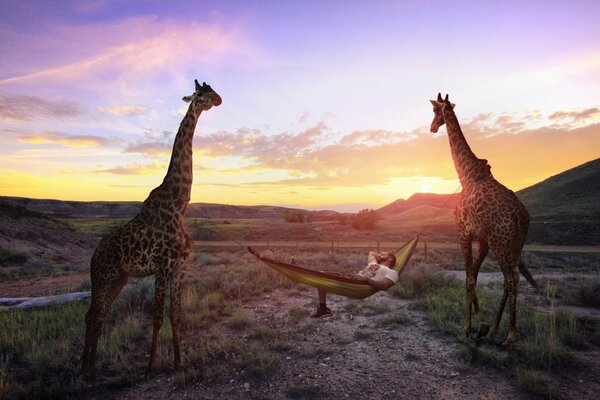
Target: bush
365	219
295	216
9	257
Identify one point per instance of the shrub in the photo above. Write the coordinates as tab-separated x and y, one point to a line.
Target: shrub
9	257
365	219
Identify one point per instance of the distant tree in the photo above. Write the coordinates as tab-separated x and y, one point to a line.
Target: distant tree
295	216
365	219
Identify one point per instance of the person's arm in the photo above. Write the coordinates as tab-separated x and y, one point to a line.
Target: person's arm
383	284
371	257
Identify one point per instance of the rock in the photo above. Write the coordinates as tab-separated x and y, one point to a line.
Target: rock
247	387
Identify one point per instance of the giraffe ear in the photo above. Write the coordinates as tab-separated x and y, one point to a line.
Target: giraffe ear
452	105
435	103
187	99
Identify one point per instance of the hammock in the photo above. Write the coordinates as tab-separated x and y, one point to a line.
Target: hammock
334	282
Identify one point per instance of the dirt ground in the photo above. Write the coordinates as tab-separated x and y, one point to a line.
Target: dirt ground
350	356
346	356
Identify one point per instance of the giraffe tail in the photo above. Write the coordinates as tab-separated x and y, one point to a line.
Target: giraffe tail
525	272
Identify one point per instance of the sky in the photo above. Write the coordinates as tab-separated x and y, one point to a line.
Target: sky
325	103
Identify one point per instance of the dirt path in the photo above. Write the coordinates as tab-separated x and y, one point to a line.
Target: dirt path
351	356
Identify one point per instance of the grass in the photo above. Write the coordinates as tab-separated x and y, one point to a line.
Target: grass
546	339
40	350
10	257
393	322
536	383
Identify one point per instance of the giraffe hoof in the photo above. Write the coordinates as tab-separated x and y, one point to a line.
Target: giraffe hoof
483	330
509	340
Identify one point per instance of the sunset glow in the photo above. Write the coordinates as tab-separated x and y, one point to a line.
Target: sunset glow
325	105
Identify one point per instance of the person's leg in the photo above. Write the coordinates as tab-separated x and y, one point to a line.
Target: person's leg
322	310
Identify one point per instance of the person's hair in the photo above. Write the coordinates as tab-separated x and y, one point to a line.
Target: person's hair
390	259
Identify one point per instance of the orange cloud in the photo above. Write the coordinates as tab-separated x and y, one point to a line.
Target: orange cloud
575	115
136	169
520	155
64	139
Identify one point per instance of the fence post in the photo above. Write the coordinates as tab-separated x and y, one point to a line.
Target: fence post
332	247
378	246
425	260
297	248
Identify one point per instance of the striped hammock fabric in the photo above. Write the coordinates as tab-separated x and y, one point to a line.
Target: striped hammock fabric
334	282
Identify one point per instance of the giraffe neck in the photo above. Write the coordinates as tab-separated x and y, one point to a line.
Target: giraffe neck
178	180
467	165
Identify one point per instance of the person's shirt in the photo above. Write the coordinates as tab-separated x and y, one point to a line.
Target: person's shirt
378	272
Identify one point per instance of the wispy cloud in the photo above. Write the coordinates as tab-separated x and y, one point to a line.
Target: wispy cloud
129	52
125	110
154	149
135	169
575	115
64	139
32	108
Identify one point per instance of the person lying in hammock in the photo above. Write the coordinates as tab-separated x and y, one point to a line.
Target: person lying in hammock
378	274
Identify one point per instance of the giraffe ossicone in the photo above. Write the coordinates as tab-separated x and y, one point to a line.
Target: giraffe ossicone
155	242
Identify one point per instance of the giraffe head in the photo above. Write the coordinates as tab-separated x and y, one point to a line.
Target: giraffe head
438	111
204	97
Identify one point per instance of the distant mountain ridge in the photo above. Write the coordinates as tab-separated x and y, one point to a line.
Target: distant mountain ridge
116	209
564	209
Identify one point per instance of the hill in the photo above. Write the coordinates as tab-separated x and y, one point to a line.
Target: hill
423	216
565	208
31	242
572	194
60	208
435	200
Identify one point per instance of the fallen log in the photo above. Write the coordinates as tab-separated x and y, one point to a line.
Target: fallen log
30	303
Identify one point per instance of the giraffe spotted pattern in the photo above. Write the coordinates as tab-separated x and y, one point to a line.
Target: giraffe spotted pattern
155	242
488	213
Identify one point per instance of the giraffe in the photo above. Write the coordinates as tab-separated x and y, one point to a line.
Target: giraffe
155	242
488	213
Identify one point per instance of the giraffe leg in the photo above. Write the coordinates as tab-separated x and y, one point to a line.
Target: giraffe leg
176	282
176	314
513	282
496	323
103	295
160	287
483	328
465	244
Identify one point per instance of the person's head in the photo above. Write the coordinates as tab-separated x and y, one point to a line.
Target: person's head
386	258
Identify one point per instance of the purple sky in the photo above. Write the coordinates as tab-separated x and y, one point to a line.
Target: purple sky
90	95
